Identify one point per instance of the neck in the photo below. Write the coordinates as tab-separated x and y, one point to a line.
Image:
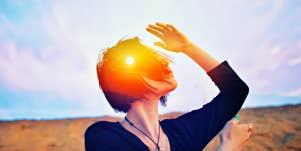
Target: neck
144	115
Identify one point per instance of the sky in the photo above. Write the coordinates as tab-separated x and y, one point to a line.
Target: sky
49	49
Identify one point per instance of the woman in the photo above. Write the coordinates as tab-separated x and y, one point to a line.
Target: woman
135	77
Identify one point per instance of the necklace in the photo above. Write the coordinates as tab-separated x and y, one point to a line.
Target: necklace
157	144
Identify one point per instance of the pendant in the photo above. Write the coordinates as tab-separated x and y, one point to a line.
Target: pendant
158	147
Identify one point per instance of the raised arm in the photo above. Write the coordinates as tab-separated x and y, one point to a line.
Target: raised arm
199	126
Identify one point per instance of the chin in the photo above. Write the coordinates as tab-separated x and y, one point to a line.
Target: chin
170	85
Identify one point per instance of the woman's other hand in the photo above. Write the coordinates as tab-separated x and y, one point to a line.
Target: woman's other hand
234	136
173	39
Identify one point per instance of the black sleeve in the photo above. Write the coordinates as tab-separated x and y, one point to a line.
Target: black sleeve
201	125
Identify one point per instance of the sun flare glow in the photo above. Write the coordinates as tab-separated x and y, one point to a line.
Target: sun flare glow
129	60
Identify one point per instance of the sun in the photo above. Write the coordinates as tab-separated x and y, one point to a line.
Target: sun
129	60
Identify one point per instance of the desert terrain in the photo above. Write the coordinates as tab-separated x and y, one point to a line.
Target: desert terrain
275	128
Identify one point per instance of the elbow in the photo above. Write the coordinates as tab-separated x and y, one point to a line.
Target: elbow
240	96
244	90
239	92
242	93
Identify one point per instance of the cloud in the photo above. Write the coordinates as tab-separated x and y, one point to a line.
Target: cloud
293	93
299	44
58	73
264	61
43	55
4	114
6	25
294	61
54	48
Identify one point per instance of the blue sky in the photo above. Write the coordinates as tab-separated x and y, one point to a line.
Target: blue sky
48	52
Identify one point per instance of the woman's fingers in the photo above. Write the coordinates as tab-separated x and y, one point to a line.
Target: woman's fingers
248	129
168	27
174	41
235	119
156	33
172	27
164	28
161	25
159	28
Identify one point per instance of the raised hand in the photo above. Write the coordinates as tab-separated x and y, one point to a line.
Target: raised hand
173	39
234	136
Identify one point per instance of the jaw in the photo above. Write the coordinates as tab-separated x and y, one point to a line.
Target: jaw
161	87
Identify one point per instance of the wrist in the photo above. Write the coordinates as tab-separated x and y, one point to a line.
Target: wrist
186	49
225	147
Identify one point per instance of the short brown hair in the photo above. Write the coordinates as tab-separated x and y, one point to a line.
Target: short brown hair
119	88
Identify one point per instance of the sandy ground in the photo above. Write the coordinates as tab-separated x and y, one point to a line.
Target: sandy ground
275	128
